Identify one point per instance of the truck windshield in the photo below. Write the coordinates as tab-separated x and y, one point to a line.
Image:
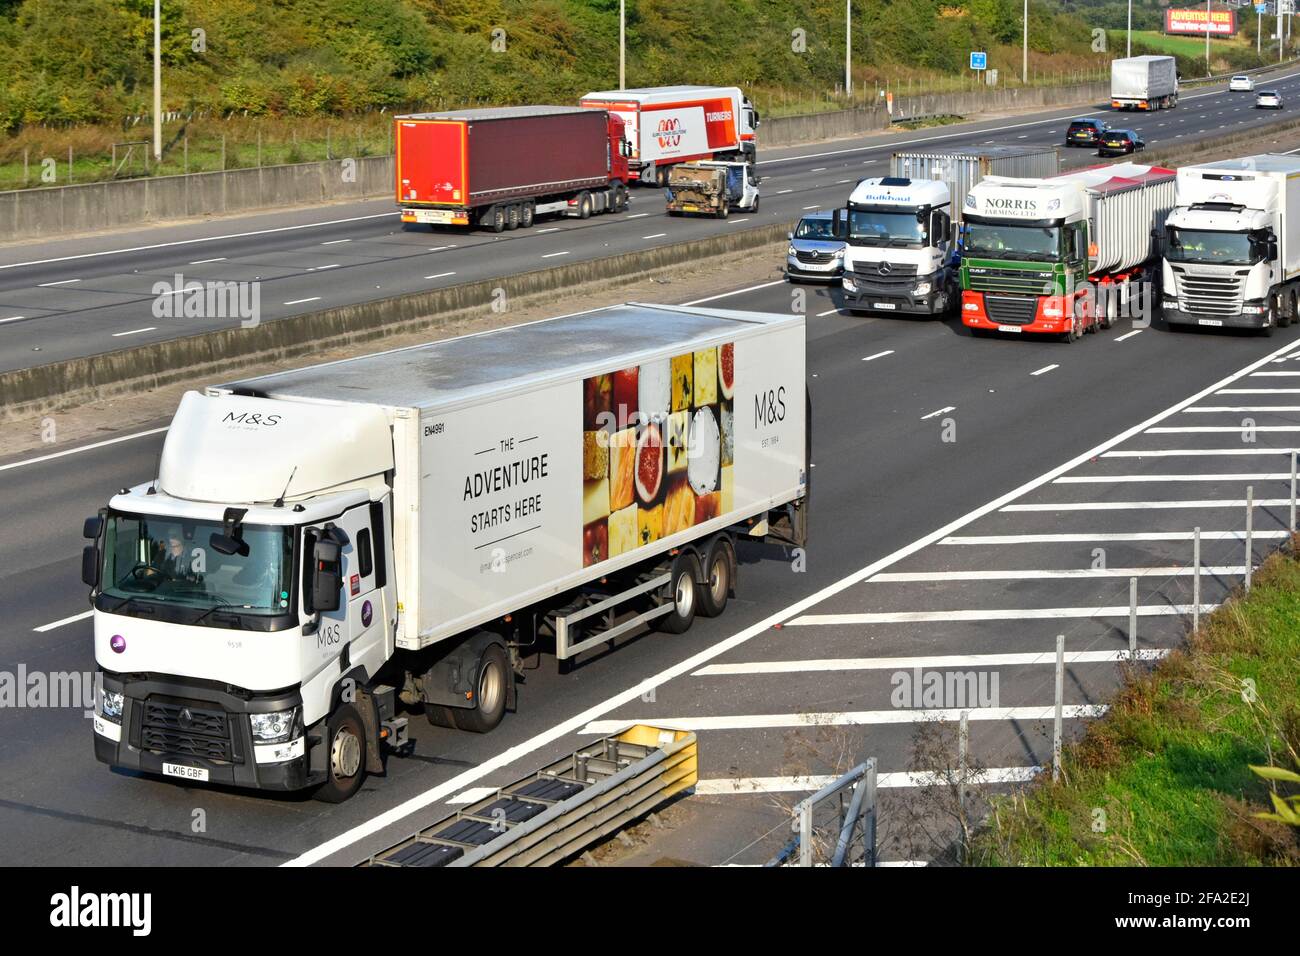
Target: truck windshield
1224	248
1010	241
153	562
877	227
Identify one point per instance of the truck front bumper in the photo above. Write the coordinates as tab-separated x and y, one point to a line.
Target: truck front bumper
861	297
194	733
1243	320
823	271
1050	316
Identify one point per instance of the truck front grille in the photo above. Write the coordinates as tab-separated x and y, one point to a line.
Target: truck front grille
814	256
184	727
1011	309
1209	294
897	279
1010	280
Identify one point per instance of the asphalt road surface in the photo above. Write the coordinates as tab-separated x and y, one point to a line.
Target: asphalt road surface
70	298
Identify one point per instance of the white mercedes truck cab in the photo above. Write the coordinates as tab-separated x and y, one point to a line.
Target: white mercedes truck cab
898	254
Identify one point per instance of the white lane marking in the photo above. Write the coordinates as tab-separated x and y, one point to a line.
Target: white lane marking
200	262
847	718
1258	391
74	451
59	623
440	275
752	288
440	248
907	577
806	208
473	795
335	242
562	729
822	315
930	661
46	285
314	298
737	222
557	228
332	265
552	255
12	318
147	328
872	358
657	235
1129	335
782	192
187	242
819	169
1275	374
1126	479
1071	537
1179	452
1220	429
1002	614
946	408
1044	370
1212	409
637	215
1145	505
723	786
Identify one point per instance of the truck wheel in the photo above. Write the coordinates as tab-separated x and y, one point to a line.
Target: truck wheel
514	215
584	205
526	216
725	211
345	738
620	198
684	592
718	564
494	676
497	219
754	208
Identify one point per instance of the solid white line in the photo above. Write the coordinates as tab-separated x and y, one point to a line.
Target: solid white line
1000	614
552	255
59	623
1179	452
473	795
1072	537
200	262
148	328
845	718
440	275
722	787
1258	391
79	449
1274	374
657	235
872	358
314	298
1212	409
187	242
46	285
1044	370
1220	429
724	295
932	661
1146	505
1129	479
946	408
559	731
12	318
905	577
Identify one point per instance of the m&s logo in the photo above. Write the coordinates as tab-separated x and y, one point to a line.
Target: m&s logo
769	407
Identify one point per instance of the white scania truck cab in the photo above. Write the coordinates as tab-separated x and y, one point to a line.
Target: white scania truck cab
1232	244
898	247
323	545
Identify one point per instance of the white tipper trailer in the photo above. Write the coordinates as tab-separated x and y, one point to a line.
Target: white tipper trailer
1144	83
1232	244
322	546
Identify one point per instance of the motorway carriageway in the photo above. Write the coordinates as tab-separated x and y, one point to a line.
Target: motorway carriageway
69	298
1124	441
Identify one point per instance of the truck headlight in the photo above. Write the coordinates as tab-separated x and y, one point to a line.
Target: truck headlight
922	288
274	727
850	285
110	705
792	251
839	253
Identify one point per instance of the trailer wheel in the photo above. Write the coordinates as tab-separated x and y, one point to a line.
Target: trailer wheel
719	565
683	592
514	216
496	219
725	210
620	198
494	677
345	740
584	205
527	215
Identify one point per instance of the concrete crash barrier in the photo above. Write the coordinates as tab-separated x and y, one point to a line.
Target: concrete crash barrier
34	391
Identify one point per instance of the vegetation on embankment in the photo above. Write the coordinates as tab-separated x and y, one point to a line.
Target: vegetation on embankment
1164	778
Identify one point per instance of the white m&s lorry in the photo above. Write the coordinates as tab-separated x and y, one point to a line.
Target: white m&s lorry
324	547
1232	244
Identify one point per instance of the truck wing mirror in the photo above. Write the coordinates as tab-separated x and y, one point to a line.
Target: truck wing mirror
1272	250
327	575
92	526
90	566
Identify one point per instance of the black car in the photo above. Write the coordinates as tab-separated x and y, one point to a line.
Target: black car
1085	132
1119	142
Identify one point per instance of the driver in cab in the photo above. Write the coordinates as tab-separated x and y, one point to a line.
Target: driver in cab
173	559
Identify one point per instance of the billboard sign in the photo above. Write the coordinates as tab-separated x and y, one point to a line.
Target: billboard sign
1223	23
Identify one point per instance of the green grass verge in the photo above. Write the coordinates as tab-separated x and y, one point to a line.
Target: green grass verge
1166	772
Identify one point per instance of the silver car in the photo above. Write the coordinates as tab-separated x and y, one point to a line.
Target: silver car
816	249
1268	100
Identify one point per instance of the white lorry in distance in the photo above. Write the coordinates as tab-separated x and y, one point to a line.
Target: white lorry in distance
324	545
665	125
1231	245
1144	83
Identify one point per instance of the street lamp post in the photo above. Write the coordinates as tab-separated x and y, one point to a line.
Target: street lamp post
1024	54
622	44
1207	37
157	80
848	48
1129	50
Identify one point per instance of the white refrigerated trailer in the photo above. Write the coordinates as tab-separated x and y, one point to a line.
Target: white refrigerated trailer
322	544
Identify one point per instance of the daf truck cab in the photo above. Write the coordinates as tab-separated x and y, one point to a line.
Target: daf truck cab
899	250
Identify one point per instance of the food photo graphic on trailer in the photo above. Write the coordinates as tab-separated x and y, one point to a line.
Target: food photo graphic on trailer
658	450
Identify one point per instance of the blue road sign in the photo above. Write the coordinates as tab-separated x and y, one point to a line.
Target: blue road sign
978	61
